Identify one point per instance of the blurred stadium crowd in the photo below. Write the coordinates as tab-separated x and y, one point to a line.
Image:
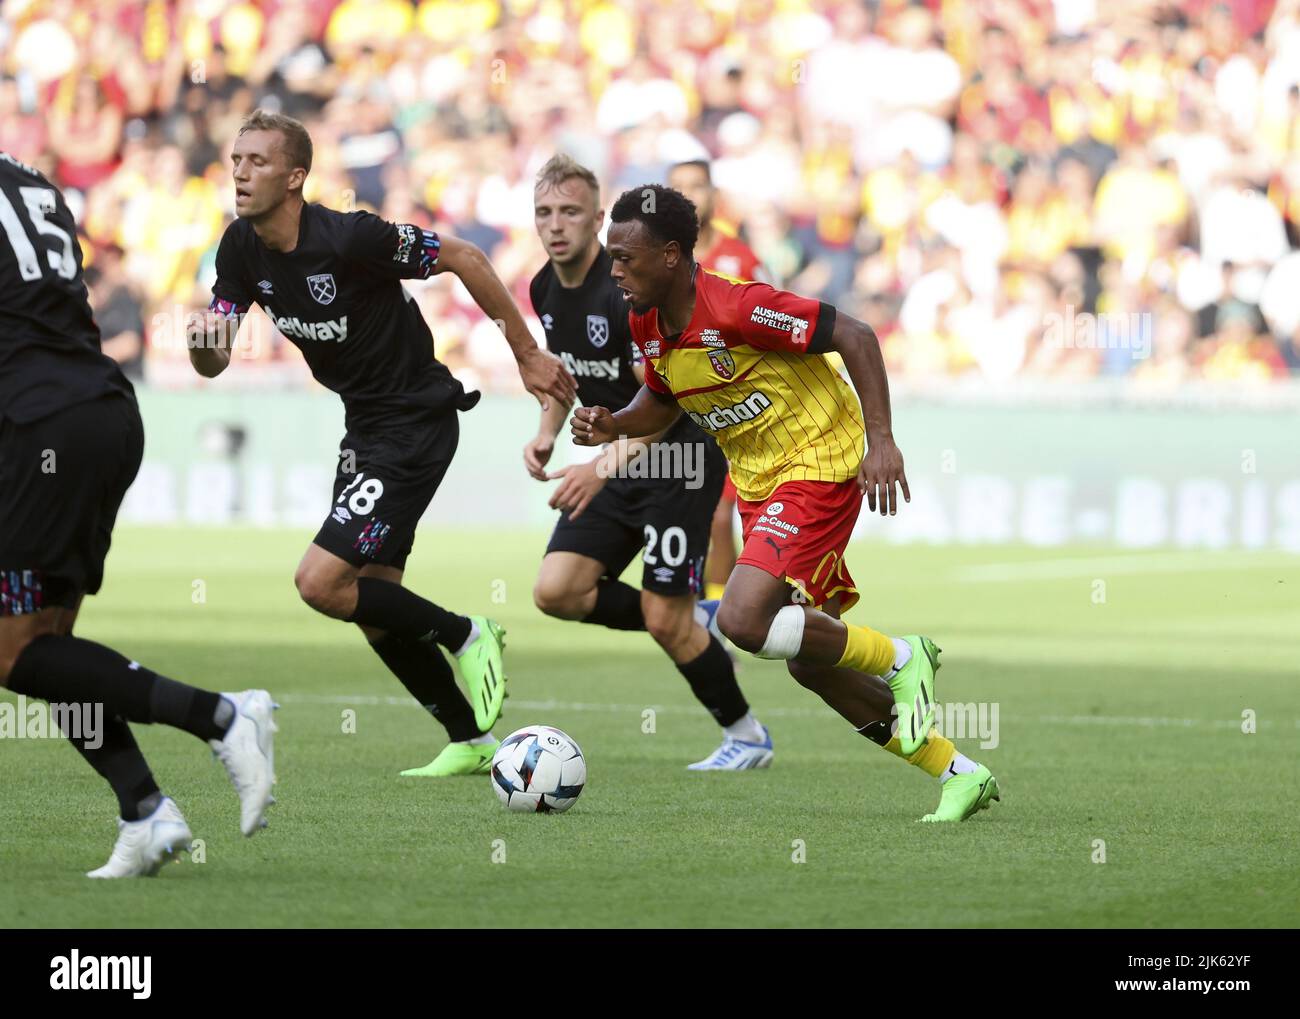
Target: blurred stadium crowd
1005	189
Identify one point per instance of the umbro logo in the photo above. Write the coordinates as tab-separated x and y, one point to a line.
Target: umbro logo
264	286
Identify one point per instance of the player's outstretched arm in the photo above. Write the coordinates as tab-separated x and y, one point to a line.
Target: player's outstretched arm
543	373
882	467
211	336
648	413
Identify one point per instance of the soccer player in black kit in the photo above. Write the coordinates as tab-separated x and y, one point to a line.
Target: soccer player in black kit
330	282
611	509
70	445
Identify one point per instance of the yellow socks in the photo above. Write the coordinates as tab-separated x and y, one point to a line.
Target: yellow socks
713	592
867	651
933	758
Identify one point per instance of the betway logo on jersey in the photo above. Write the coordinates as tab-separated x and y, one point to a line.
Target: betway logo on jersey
590	368
334	330
722	417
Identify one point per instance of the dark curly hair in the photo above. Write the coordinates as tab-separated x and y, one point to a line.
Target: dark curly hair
669	215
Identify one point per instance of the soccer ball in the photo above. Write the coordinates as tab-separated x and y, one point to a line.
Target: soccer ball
538	769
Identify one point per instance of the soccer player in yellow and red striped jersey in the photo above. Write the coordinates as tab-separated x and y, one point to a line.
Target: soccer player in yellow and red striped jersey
720	249
747	363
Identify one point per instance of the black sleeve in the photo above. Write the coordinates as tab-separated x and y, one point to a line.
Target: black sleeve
401	251
536	287
231	284
536	292
821	337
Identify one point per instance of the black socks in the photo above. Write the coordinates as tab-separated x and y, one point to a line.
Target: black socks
428	677
120	763
618	606
391	607
713	681
201	712
69	670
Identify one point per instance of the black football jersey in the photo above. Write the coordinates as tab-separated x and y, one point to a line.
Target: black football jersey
587	328
50	355
338	298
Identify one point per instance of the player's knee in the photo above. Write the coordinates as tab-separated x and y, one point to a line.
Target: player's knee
558	600
743	629
320	592
722	515
11	647
668	620
16	632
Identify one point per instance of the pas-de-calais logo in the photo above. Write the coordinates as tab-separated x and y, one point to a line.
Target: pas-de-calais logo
598	330
776	508
722	363
322	287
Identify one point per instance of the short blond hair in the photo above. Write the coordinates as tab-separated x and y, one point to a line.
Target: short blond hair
561	167
297	142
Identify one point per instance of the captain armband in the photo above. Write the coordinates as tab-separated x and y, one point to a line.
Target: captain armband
227	309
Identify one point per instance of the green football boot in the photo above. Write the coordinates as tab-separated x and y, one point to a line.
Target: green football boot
457	759
966	795
913	688
484	672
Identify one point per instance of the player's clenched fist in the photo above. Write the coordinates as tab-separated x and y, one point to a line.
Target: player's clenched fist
593	425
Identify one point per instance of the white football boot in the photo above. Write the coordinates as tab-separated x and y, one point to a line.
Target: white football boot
737	755
249	756
144	846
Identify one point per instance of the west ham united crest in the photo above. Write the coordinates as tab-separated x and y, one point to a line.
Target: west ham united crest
598	330
722	363
322	287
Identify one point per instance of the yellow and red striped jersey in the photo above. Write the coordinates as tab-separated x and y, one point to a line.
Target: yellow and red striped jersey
746	370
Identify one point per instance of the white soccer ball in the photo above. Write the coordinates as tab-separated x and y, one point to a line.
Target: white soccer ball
538	769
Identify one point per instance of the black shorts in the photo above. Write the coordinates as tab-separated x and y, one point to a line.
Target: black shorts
382	489
62	479
665	520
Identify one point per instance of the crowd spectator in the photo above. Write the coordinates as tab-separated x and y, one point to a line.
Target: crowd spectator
960	174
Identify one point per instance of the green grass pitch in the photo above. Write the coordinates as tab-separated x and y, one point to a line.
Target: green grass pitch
1119	720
